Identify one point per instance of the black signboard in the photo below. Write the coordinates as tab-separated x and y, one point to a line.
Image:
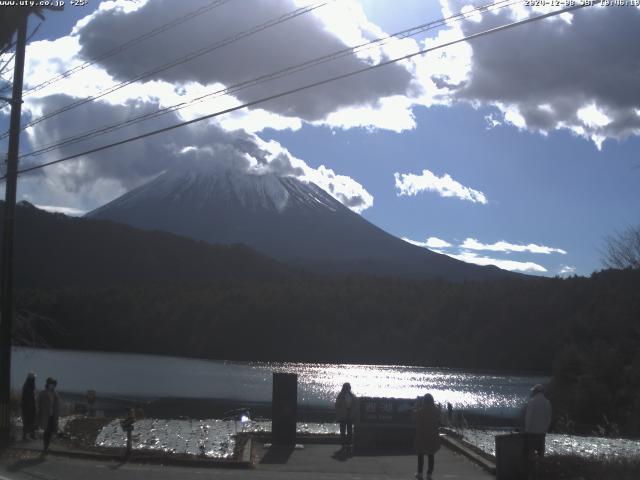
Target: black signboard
284	408
388	411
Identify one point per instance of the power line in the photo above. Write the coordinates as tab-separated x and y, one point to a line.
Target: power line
184	59
7	48
305	87
33	32
13	54
268	77
8	70
5	65
134	41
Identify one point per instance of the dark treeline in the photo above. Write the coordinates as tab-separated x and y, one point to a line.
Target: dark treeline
585	330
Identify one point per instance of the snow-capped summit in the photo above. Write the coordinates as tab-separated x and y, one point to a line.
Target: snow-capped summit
284	217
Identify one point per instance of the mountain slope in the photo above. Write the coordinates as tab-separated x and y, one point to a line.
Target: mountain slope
53	250
282	217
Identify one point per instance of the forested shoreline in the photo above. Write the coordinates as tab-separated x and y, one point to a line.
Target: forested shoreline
99	285
582	330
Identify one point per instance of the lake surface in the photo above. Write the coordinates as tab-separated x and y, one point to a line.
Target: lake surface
150	376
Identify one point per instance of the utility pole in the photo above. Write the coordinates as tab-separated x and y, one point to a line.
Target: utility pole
6	280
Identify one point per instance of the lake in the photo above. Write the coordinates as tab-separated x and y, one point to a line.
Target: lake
122	376
151	376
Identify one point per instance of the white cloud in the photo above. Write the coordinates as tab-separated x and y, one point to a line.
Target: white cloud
445	186
473	14
492	121
567	270
502	246
467	252
391	113
256	120
512	265
433	243
72	212
592	116
343	188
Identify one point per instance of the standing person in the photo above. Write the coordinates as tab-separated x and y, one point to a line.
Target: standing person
427	440
537	419
449	412
28	406
48	411
345	408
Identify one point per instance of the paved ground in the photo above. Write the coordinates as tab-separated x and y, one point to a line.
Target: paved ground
313	462
328	460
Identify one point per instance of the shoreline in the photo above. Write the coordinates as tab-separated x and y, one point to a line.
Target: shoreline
207	408
470	370
180	408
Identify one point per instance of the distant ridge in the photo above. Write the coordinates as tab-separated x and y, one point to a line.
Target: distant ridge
53	250
282	217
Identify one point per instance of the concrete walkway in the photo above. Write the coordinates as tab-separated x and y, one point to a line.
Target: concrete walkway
326	461
313	461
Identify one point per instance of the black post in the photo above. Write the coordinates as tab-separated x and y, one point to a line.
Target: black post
284	407
6	280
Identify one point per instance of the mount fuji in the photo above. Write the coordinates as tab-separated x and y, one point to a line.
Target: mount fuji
283	217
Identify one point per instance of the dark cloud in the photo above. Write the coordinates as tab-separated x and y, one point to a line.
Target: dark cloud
592	61
289	43
198	147
128	164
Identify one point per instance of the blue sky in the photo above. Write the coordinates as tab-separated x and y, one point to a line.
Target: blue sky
540	145
558	190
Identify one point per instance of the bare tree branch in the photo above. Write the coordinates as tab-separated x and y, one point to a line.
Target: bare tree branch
622	249
29	328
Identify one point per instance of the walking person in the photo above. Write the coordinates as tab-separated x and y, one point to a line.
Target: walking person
345	410
427	440
537	420
28	407
48	411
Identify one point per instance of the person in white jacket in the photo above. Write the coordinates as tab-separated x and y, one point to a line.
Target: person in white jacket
537	420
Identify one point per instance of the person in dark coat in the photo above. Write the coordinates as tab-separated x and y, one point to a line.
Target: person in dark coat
427	440
345	411
49	411
28	406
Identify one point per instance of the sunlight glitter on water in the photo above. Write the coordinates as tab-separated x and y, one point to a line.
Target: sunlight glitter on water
210	438
561	444
502	394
